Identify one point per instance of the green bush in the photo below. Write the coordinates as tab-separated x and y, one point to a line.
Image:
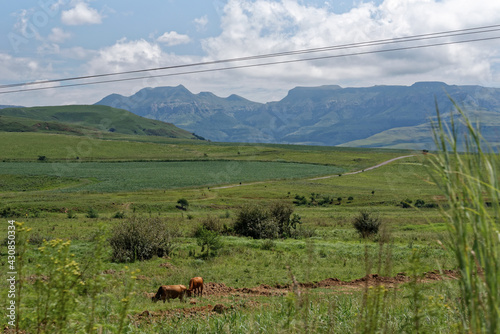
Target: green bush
419	203
300	200
209	239
9	213
119	215
366	224
406	203
258	222
37	239
92	213
71	214
212	223
141	239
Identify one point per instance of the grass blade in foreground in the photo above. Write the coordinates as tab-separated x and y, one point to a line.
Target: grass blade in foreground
469	182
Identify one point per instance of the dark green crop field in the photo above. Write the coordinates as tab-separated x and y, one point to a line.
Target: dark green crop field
133	176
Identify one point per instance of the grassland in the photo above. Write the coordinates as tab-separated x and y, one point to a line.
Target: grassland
149	174
85	120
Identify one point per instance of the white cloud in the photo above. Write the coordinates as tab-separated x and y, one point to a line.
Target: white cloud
58	35
22	69
130	55
81	14
251	27
201	23
172	38
265	26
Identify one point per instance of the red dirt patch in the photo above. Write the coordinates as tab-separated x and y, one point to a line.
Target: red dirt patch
212	289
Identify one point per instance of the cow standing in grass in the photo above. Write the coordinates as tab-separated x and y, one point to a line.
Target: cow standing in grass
167	292
195	286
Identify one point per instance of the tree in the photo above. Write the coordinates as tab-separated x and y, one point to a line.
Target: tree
182	204
366	223
209	239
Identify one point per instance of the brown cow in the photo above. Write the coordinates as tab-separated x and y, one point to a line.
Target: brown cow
167	292
196	285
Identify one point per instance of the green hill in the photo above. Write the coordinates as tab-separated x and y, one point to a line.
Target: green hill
85	119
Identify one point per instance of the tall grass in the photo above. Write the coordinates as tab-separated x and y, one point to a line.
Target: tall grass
469	181
64	296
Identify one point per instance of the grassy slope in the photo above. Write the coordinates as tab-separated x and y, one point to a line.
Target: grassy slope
334	251
410	137
57	147
83	119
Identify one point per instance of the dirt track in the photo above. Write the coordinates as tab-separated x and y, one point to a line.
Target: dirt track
321	177
364	170
215	290
220	289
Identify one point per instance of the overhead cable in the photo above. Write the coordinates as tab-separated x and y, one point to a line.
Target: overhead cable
381	42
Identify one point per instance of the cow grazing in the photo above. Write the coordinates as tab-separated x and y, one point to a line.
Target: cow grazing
167	292
196	286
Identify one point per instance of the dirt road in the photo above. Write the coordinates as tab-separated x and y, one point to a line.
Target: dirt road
366	169
321	177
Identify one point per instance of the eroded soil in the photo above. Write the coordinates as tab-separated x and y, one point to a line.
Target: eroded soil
217	292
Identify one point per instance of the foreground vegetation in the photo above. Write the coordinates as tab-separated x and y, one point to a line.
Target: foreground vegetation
73	280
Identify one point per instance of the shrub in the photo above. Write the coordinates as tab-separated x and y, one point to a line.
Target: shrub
406	203
209	239
300	200
325	200
419	203
272	222
71	214
366	224
37	239
141	239
119	215
9	213
254	221
92	213
212	223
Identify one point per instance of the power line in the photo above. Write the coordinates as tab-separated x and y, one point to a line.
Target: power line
450	33
423	37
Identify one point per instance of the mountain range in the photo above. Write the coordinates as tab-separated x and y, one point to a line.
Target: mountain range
378	116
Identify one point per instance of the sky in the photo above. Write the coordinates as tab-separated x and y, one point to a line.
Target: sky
55	39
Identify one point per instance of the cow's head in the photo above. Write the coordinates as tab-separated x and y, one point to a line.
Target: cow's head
155	298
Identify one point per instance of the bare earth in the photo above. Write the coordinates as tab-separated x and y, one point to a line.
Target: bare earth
216	291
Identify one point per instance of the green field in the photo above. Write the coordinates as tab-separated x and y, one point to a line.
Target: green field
133	176
121	178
